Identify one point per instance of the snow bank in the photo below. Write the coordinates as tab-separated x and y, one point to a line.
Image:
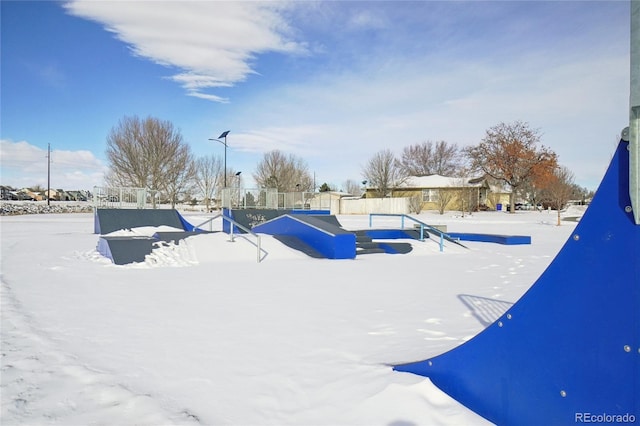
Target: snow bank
223	339
41	207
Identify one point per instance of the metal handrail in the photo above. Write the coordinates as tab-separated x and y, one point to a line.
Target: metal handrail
207	221
423	226
231	234
317	228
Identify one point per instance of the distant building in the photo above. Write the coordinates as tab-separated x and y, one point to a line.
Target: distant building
7	193
455	193
78	195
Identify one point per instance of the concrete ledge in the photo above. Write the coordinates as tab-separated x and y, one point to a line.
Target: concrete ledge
392	234
492	238
441	228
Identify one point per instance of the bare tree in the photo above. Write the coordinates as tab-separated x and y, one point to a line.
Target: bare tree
350	186
467	193
233	177
469	199
148	153
560	190
209	175
383	172
509	153
287	173
444	198
415	204
427	158
531	192
581	193
180	177
465	197
209	171
125	154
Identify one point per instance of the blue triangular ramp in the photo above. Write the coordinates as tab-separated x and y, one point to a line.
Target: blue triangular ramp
569	350
325	238
188	226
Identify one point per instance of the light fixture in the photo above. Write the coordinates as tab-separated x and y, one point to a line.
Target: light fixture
223	136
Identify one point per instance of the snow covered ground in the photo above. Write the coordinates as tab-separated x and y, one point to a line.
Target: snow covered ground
203	334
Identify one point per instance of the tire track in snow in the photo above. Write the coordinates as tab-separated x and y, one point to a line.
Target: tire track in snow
42	385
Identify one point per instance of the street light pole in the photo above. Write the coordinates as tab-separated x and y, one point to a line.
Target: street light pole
223	136
239	198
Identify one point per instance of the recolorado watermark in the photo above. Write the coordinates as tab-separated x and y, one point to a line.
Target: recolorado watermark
604	418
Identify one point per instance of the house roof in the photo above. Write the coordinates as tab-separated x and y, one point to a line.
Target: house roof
338	194
437	181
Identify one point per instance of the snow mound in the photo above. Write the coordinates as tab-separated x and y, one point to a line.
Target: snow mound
143	231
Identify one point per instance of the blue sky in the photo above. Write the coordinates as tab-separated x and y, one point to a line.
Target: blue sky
331	82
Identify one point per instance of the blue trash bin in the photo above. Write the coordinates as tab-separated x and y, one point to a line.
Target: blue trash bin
499	207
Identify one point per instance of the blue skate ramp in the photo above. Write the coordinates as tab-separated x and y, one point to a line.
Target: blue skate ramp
297	244
323	237
249	218
569	349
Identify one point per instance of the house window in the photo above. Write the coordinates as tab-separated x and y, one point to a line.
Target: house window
429	195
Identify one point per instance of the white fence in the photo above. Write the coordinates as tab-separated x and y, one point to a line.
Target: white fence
249	198
264	198
270	198
371	205
121	198
305	200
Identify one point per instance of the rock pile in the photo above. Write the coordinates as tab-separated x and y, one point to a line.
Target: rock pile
35	207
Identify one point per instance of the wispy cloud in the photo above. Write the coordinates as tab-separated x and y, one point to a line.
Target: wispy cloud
367	20
24	164
213	43
337	122
51	74
363	76
293	139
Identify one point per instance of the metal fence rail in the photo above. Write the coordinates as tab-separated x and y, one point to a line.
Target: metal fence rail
121	197
249	198
270	198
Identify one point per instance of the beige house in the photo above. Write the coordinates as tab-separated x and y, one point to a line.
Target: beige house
442	193
498	196
51	194
321	200
31	195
